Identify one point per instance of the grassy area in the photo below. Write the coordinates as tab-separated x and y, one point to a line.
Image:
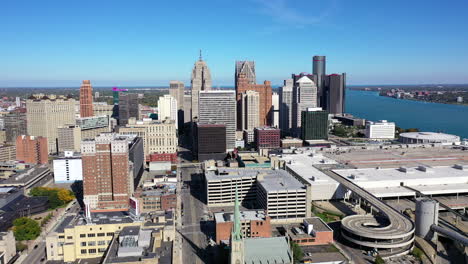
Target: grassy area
332	248
326	216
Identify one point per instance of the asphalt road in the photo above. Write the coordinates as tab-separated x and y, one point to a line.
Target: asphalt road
195	240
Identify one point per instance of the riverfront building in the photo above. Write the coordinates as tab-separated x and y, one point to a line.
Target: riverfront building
380	130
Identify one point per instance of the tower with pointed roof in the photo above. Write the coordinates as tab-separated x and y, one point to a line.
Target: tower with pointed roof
237	241
200	81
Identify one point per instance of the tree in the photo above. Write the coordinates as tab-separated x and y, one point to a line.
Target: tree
25	229
65	195
379	260
417	253
297	252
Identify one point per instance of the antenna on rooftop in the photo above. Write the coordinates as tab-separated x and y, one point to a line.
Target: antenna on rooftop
200	56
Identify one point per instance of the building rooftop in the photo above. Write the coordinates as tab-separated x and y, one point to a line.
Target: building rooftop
254	215
431	136
25	176
267	250
280	180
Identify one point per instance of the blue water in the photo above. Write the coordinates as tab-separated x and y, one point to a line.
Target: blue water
434	117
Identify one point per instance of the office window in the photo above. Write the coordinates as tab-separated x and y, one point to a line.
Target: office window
69	237
82	235
83	251
61	236
101	243
91	235
101	234
91	243
92	251
83	244
110	234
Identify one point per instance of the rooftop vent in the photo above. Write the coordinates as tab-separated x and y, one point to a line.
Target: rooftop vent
406	170
425	169
461	167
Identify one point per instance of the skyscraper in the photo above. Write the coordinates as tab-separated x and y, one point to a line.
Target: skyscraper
304	96
46	113
286	105
15	124
128	107
248	69
314	124
86	99
176	90
275	110
335	85
319	70
219	107
200	81
167	106
265	92
110	163
250	105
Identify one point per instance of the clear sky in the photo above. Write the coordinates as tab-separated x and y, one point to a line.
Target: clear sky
149	42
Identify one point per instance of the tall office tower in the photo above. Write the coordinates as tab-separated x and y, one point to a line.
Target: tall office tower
264	90
275	110
86	99
210	141
286	105
45	114
248	69
159	138
128	107
319	70
167	106
314	124
201	81
69	138
250	104
219	107
15	125
32	149
176	90
110	163
304	96
187	108
335	85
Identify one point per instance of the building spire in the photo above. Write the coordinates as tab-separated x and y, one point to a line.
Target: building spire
200	58
236	233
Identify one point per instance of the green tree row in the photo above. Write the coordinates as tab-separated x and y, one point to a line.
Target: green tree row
57	196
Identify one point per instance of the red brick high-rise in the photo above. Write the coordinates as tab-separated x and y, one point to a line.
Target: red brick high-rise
32	149
86	99
107	172
265	94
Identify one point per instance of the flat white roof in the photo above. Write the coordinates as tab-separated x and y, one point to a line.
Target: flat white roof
302	165
433	136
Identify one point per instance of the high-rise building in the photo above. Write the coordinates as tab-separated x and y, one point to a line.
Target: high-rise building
319	70
200	81
250	106
18	102
15	124
210	141
314	124
167	106
46	113
69	138
265	92
32	149
102	108
159	138
86	99
92	126
335	85
128	107
219	107
248	69
286	105
68	168
304	97
176	90
275	110
110	162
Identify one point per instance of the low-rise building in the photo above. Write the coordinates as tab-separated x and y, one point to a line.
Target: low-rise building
159	198
291	142
68	168
267	137
7	153
380	130
32	149
29	178
313	231
7	246
253	224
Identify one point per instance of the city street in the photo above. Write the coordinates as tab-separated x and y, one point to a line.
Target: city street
194	217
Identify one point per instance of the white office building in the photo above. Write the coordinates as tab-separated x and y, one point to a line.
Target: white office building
68	169
167	106
380	130
275	110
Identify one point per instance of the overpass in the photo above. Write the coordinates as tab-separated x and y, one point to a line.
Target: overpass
389	232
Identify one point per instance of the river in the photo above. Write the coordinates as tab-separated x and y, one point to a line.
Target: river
425	116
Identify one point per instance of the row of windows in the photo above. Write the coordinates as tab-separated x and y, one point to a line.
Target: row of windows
93	235
92	251
93	243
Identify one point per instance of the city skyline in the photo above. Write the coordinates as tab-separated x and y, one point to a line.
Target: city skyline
52	44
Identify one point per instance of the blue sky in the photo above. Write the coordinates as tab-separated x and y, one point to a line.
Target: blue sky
113	42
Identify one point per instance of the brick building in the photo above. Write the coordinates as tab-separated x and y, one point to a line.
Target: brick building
265	94
86	99
253	224
110	163
313	231
32	149
267	138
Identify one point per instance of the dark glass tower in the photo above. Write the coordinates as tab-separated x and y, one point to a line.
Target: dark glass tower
319	70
